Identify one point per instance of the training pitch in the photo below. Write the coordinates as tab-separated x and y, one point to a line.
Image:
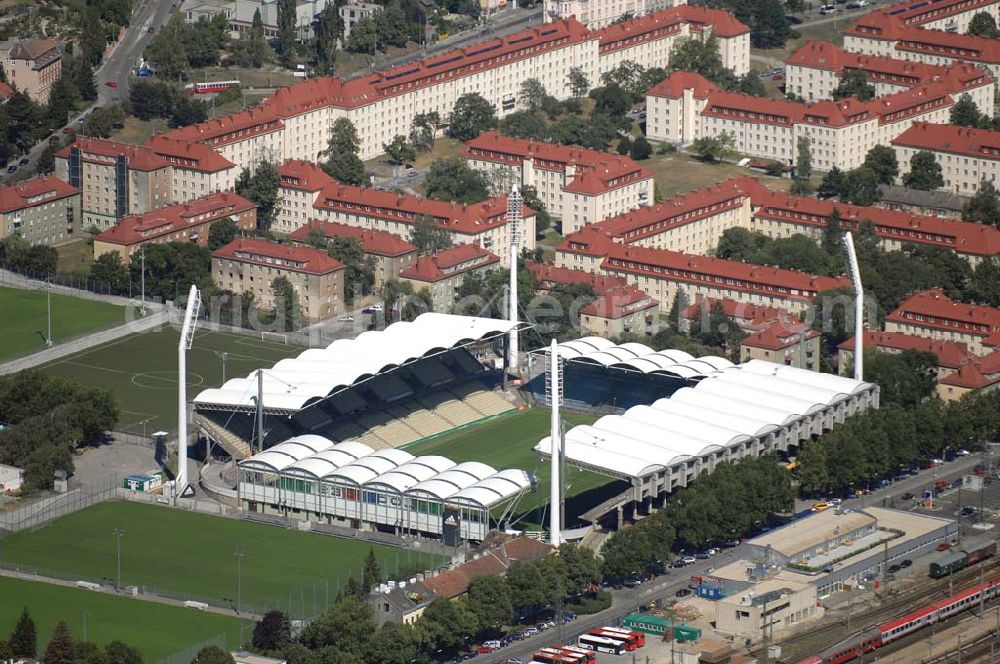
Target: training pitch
141	369
194	556
507	442
157	630
25	321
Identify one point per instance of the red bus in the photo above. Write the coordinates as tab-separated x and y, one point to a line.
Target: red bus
586	656
211	86
640	638
627	641
556	655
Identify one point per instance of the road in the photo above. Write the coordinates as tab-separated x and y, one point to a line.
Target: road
117	67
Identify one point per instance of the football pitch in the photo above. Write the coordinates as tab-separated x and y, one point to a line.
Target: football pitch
141	369
194	556
507	442
157	630
25	320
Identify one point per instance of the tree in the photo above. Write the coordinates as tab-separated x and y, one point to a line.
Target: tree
832	234
612	100
925	172
187	111
47	160
83	76
624	145
525	124
213	655
102	122
985	282
167	51
60	649
286	28
109	270
428	237
984	206
854	83
325	34
714	148
702	57
262	188
965	113
905	378
273	632
532	94
222	232
400	151
451	179
803	158
150	98
770	25
449	624
373	571
422	130
577	82
882	160
342	161
861	186
117	652
833	184
359	271
628	76
983	25
24	639
489	600
286	303
751	84
256	47
641	149
471	116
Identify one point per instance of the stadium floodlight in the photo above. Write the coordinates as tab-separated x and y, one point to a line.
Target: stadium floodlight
187	338
859	308
514	210
555	490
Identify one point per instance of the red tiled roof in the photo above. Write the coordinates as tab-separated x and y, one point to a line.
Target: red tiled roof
139	157
916	12
979	143
382	243
189	155
780	335
455	582
620	302
292	258
937	310
718	272
5	90
303	175
673	86
165	221
469	219
950	354
549	276
230	128
588	241
826	55
32	49
970	376
449	262
35	191
880	25
961	236
723	23
748	315
596	171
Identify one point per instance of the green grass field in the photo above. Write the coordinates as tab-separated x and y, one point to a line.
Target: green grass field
507	443
157	630
192	555
141	370
25	321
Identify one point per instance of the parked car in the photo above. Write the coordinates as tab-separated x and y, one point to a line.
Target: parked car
375	308
968	510
12	168
906	563
828	9
963	453
689	560
819	507
24	162
893	569
111	84
943	546
683	592
345	319
857	4
907	496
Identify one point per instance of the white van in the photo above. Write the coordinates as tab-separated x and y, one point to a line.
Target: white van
828	9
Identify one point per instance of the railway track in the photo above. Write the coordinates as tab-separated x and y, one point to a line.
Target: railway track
967	649
928	590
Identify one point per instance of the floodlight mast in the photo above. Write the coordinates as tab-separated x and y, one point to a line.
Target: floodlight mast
514	210
555	438
187	338
859	308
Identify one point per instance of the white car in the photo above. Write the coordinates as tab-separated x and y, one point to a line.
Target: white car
963	453
346	319
689	560
828	9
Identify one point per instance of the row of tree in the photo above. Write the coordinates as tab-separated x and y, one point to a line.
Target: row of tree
151	98
17	255
180	46
62	648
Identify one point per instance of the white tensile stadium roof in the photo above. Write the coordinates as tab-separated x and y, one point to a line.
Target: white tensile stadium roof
317	373
639	358
729	406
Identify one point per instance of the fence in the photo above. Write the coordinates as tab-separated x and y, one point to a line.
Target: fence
186	655
71	284
41	512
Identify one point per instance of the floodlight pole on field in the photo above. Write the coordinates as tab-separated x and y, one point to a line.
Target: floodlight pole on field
238	554
118	533
187	337
48	307
555	445
859	308
514	209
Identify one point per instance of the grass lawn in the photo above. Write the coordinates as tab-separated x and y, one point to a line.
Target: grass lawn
27	316
155	629
831	32
193	555
75	257
507	443
142	370
138	131
679	173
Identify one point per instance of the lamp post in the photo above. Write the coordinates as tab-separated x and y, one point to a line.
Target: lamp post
119	534
238	553
223	355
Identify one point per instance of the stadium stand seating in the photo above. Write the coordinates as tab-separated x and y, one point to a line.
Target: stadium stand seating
344	431
484	402
347	402
465	362
425	422
432	372
389	388
450	409
235	446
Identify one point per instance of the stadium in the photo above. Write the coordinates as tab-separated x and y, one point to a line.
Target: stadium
323	440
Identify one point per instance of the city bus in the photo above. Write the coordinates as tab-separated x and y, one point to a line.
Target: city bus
587	656
557	655
637	637
601	644
629	643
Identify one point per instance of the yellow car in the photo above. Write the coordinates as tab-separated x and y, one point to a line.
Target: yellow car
819	507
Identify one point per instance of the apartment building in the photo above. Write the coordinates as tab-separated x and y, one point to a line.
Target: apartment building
551	278
749	317
594	14
934	315
184	222
786	341
32	66
577	185
240	14
927	203
967	156
815	70
299	187
840	133
42	210
483	224
882	33
250	265
197	169
294	123
442	273
353	13
980	374
620	311
950	15
389	253
115	179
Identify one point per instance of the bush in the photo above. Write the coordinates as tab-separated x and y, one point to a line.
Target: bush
589	603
